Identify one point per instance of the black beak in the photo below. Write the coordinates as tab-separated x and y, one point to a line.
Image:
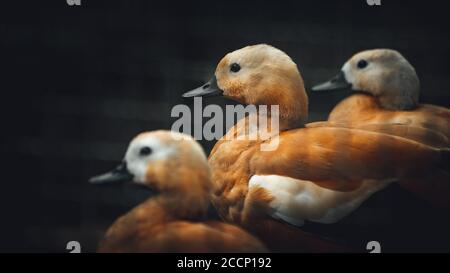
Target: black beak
336	83
119	174
209	89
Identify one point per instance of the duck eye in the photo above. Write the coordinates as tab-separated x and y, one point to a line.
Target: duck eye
362	64
234	67
144	151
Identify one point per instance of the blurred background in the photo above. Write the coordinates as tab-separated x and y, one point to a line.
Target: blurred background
78	82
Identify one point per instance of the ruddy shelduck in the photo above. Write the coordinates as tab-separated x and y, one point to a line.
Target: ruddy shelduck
315	174
175	166
387	101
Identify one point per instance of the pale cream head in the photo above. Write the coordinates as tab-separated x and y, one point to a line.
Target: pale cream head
385	74
263	75
163	160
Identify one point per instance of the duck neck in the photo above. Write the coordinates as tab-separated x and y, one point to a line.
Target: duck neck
290	96
397	103
171	207
361	102
291	113
179	207
290	121
189	201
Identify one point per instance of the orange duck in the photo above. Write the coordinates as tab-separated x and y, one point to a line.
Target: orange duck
174	165
388	99
315	174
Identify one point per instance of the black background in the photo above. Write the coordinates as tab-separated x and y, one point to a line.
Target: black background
78	83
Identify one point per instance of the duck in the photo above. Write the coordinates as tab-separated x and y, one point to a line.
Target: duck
174	166
319	174
386	100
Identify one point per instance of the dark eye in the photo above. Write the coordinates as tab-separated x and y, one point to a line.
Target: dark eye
362	64
234	67
145	151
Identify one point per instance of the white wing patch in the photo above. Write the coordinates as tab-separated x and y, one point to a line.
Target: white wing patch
297	200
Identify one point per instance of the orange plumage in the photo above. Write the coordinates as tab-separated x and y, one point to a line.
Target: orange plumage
389	104
175	166
314	174
426	123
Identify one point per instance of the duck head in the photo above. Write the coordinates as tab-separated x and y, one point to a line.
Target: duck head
164	161
259	75
384	74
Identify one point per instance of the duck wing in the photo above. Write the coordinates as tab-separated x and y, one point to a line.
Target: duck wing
420	134
322	174
337	157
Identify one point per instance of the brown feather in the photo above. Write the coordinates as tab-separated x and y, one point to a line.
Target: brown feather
427	124
174	220
339	159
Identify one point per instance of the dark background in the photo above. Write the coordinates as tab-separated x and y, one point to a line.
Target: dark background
78	83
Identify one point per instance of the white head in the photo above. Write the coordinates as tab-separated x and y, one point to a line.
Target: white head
162	160
383	73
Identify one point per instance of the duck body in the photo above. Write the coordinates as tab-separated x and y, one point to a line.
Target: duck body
387	99
175	166
317	174
138	232
428	124
387	102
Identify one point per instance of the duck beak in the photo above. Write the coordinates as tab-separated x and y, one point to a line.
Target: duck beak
336	83
119	174
209	89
